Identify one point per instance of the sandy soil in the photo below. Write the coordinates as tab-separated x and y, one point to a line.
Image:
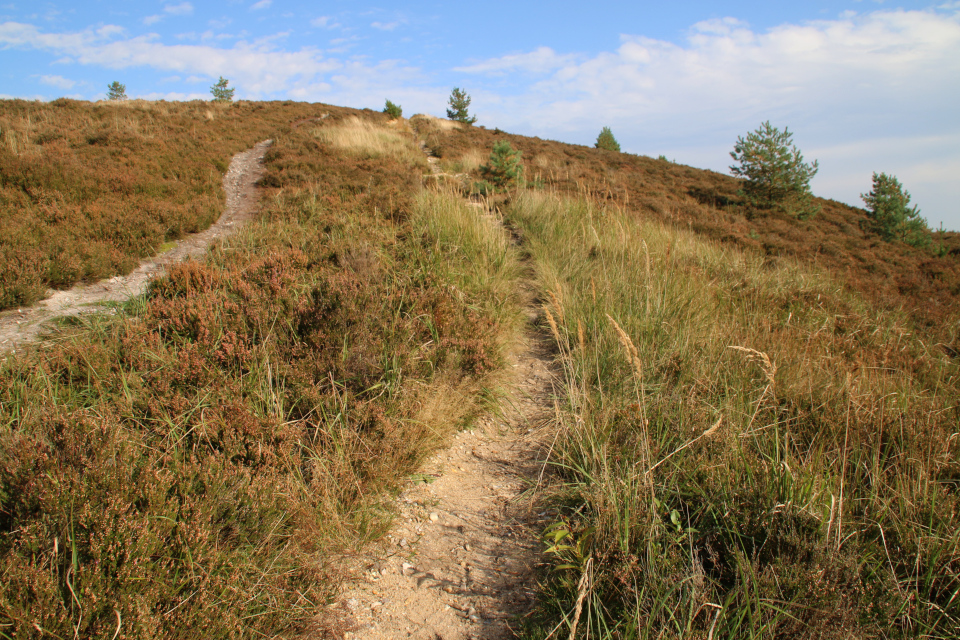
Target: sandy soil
459	563
19	326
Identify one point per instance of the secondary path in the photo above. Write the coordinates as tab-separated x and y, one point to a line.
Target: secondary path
18	326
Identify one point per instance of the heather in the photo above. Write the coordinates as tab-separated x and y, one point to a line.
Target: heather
87	190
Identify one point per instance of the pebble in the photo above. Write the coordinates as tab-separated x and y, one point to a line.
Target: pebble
403	543
406	569
434	517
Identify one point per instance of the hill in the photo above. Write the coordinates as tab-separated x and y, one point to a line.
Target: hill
755	437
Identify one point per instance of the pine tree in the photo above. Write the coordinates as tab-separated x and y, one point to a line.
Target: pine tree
116	91
459	102
606	140
393	110
774	171
889	214
220	91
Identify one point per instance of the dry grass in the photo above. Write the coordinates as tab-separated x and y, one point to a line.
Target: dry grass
436	123
741	442
370	138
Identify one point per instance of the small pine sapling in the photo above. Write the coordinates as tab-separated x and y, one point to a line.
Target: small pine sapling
606	140
774	172
459	102
393	110
504	167
220	91
116	91
889	214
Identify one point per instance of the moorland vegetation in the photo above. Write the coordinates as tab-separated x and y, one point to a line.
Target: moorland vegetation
756	433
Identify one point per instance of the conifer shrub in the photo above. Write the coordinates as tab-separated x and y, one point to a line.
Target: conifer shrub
393	110
221	92
116	91
503	170
889	214
606	141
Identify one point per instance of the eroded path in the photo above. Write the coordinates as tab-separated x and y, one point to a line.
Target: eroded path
460	561
19	326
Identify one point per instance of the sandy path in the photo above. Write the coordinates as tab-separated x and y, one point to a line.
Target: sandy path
459	562
18	326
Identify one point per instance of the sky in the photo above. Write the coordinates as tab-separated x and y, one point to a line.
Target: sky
864	85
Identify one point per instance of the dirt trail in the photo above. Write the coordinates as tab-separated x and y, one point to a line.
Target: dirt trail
459	563
18	326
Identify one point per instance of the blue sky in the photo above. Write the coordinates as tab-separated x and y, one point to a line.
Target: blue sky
864	85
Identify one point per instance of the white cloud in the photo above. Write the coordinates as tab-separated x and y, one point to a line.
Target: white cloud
325	22
58	81
385	26
263	4
149	20
885	74
541	60
256	68
182	9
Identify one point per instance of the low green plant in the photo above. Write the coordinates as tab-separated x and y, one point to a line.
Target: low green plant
606	141
393	110
889	214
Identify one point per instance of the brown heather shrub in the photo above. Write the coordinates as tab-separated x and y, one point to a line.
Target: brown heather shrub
192	469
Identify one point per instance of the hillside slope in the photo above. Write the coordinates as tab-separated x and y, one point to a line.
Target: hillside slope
756	434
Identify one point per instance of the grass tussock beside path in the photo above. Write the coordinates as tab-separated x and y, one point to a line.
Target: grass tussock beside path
189	468
87	190
747	450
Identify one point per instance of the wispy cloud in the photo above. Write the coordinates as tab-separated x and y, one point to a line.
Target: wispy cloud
541	60
58	81
182	9
385	26
257	68
324	22
263	4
